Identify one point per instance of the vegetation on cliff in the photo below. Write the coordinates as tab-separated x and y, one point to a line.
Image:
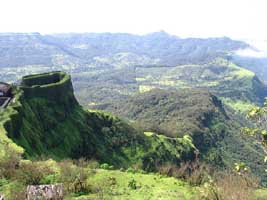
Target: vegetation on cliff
48	121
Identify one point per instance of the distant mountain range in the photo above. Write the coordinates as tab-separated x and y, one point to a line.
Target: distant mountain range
108	66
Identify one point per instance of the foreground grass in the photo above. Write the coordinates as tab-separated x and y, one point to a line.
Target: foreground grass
115	184
88	180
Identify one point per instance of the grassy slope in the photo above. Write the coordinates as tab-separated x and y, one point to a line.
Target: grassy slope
111	184
149	186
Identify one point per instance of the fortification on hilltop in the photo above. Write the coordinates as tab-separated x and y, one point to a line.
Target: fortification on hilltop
52	85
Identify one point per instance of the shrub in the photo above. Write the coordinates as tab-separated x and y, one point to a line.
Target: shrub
32	173
195	173
74	178
130	170
17	192
228	186
83	162
132	184
233	186
9	164
104	166
93	164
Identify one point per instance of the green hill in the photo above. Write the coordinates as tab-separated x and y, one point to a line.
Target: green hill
220	76
198	113
44	118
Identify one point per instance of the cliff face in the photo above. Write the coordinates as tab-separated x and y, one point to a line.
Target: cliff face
47	120
50	122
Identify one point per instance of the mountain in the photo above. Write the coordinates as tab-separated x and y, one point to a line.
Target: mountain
44	119
215	129
107	66
37	49
169	49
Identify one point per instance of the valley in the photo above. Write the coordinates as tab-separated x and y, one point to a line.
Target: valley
123	116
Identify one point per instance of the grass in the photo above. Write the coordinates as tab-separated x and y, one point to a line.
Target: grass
261	194
114	184
98	183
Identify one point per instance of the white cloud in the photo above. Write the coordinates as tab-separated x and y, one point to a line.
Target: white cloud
195	18
252	53
258	49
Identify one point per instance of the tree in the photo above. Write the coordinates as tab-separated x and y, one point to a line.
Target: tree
258	115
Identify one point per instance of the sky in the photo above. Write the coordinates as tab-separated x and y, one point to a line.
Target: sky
244	19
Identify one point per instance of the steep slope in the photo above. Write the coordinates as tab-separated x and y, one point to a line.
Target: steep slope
215	131
46	120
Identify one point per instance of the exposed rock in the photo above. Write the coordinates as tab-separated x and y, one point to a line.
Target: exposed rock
47	192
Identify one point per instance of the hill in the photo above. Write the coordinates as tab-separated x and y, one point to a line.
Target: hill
44	119
214	129
227	80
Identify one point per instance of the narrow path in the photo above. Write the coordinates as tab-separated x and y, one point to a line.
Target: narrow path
4	101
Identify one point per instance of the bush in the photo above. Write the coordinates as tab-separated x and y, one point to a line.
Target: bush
17	192
9	164
104	166
131	170
195	173
93	164
229	186
32	173
83	162
74	178
132	184
233	186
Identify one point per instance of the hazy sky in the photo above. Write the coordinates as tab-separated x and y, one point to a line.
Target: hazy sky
185	18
